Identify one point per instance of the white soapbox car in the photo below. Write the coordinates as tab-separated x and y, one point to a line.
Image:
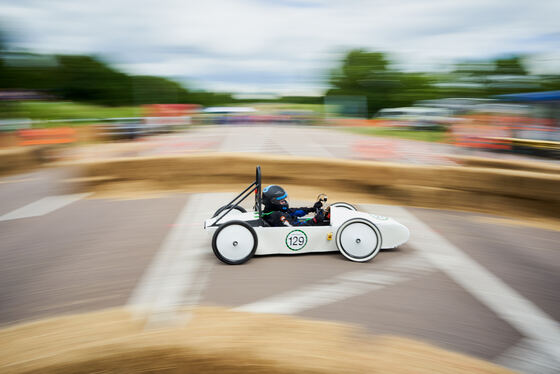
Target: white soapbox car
238	235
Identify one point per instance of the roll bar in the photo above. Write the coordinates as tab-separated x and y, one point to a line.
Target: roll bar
255	186
258	192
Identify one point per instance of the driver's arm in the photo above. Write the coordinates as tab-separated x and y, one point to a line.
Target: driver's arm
300	212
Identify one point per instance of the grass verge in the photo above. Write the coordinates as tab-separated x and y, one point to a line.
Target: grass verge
438	136
42	110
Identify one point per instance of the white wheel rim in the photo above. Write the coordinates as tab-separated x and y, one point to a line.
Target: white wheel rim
235	242
358	240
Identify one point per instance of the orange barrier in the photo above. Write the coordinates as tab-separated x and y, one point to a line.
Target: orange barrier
359	122
59	135
504	132
484	143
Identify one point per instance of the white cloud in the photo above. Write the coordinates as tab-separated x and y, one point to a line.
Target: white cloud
243	45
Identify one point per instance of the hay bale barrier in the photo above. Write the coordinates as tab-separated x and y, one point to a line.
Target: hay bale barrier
21	159
539	167
518	193
217	340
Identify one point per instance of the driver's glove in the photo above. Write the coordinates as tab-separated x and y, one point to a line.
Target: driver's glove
320	216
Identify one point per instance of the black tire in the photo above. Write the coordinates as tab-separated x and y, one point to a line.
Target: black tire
230	261
226	207
342	204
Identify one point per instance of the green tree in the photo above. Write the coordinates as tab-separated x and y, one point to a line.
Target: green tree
154	90
509	66
493	77
84	78
369	75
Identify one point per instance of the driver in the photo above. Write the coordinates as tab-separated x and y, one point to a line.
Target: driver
277	211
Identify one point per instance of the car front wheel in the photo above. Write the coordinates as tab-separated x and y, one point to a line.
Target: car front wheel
358	240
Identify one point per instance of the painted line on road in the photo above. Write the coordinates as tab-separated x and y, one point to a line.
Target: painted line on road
177	275
529	357
235	139
488	289
43	206
341	287
302	143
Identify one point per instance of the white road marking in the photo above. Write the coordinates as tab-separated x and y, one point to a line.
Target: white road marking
302	142
235	139
340	288
491	291
529	357
294	141
43	206
177	275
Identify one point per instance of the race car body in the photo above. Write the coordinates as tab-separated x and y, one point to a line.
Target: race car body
238	235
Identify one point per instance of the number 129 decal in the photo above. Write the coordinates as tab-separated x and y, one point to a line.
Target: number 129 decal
296	240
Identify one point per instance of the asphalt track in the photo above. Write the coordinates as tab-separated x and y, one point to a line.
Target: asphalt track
289	140
466	282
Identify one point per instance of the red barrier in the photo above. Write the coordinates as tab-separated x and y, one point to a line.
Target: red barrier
59	135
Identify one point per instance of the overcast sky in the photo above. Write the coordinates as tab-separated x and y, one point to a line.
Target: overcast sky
282	46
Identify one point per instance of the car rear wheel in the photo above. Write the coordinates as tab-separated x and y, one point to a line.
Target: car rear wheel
342	204
234	242
226	207
358	240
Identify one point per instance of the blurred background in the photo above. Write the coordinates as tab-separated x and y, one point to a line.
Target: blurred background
477	75
427	83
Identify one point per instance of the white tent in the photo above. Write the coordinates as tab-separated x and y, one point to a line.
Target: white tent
225	109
